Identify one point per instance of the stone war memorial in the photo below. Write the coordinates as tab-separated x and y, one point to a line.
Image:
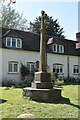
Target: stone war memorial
42	87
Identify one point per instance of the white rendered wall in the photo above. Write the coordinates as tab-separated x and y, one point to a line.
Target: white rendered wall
22	56
73	61
79	66
56	58
63	59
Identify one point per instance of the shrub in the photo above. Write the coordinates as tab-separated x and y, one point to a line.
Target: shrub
69	80
53	77
59	83
78	80
36	66
23	71
8	82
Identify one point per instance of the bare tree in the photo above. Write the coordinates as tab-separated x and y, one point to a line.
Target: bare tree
12	19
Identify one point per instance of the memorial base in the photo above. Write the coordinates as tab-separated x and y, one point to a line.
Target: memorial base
45	95
42	88
42	80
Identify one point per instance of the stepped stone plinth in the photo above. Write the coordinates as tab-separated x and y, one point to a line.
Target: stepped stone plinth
42	80
45	95
42	88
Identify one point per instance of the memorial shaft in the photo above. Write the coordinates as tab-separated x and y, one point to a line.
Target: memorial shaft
42	66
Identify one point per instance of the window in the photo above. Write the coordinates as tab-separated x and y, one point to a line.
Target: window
8	42
58	48
31	66
57	68
19	43
61	49
13	42
54	48
75	69
13	67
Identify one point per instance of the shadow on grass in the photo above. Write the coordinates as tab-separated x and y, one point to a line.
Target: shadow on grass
2	101
62	100
67	101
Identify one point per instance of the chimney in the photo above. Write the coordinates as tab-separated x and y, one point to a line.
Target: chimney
78	39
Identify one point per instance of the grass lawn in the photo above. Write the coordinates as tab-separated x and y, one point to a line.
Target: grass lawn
14	104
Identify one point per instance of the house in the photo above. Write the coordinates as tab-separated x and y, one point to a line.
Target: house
16	47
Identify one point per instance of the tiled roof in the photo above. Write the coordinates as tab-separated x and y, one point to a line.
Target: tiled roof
31	41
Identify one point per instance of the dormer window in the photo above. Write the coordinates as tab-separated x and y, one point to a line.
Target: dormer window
58	48
13	42
8	42
19	43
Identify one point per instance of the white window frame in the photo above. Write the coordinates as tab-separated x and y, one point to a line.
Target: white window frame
12	41
20	43
61	47
13	63
56	48
77	67
16	42
30	63
7	41
58	66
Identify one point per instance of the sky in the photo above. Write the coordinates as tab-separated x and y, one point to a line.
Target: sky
79	16
65	12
